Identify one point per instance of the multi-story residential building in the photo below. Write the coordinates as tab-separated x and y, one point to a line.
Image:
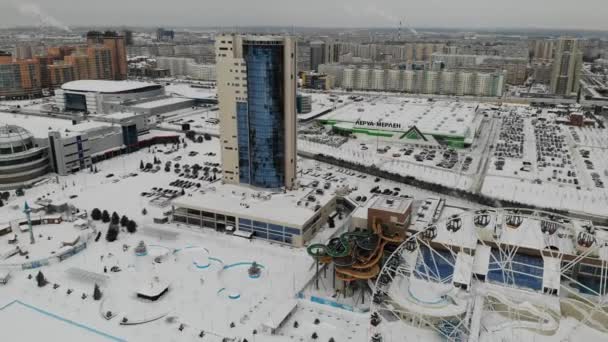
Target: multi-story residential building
317	54
80	64
23	52
362	80
543	49
182	66
100	65
19	79
377	79
457	81
348	79
104	57
128	37
541	72
516	67
314	80
61	73
567	65
164	35
118	51
257	98
178	66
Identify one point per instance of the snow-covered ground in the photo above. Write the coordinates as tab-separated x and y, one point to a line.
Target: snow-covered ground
200	297
193	291
194	295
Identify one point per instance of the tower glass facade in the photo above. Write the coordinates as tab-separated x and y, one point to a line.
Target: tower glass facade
261	126
243	141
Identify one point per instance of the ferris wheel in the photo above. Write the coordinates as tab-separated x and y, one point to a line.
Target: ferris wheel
494	275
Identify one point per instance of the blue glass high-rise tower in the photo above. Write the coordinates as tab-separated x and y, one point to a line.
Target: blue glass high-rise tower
257	92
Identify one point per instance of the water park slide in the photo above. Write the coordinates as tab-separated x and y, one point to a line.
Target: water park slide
436	301
583	311
357	254
540	320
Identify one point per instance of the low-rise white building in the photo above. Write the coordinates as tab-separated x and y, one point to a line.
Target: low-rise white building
291	218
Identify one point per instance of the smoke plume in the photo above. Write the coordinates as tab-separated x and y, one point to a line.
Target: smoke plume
34	11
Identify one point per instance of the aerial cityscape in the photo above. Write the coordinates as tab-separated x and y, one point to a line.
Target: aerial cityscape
309	172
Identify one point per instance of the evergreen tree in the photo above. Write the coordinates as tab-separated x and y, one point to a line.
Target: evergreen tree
131	226
40	279
112	233
105	217
314	335
124	220
96	214
144	212
115	218
1	204
96	292
141	164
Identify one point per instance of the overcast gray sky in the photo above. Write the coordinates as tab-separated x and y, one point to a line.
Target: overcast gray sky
567	14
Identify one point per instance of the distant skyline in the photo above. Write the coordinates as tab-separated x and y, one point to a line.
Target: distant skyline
474	14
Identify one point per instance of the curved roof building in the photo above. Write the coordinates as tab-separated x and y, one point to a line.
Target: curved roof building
21	160
110	87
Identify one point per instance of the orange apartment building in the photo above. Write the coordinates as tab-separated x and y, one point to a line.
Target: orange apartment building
104	57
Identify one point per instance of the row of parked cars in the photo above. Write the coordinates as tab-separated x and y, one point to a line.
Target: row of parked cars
186	184
511	137
597	180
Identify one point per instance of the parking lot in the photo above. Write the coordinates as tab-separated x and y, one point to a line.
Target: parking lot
518	149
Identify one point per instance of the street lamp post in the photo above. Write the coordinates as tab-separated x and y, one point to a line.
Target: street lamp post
27	210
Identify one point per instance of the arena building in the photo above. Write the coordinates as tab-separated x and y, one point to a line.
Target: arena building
96	96
408	120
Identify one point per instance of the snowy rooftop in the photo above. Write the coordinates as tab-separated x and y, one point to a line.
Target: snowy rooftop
442	117
463	269
41	126
104	86
246	202
392	203
185	90
121	115
161	102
